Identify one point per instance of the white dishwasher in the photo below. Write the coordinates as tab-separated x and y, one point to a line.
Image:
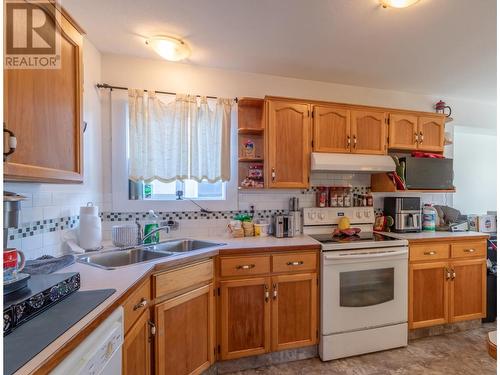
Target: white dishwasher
100	353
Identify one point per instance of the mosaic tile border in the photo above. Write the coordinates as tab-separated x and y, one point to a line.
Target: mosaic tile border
43	226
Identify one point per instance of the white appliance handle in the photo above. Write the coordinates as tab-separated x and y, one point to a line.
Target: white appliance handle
389	253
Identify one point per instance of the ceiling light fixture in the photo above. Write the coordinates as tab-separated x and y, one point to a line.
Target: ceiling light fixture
169	48
397	3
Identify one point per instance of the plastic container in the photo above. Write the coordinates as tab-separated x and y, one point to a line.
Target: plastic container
429	215
150	225
261	229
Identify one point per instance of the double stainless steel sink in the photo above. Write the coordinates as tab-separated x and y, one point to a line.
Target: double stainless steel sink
112	259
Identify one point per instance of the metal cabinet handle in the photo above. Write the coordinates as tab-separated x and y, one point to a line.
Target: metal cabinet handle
348	141
273	174
448	273
295	263
12	143
141	304
266	293
416	138
469	250
355	141
245	266
453	274
275	291
432	252
421	137
152	328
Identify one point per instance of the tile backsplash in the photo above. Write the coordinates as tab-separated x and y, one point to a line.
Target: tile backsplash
46	217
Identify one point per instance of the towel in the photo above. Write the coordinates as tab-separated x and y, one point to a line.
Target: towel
47	264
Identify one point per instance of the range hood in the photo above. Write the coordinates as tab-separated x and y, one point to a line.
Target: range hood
351	163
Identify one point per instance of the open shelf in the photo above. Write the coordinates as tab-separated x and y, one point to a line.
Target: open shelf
381	183
250	131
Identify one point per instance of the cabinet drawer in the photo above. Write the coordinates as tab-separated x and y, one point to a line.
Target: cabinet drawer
294	262
243	266
182	278
136	303
430	251
468	249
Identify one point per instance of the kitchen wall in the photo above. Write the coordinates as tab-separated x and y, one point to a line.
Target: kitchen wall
51	209
475	160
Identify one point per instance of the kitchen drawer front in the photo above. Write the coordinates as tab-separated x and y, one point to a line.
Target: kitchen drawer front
136	303
192	275
468	249
295	262
429	251
245	265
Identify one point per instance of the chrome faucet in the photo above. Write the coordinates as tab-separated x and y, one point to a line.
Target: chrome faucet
165	228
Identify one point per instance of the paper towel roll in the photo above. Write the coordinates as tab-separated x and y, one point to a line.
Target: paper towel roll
89	209
90	233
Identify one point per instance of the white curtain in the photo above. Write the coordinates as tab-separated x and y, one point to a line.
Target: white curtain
180	140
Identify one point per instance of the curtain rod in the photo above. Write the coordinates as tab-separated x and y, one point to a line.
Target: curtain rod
107	86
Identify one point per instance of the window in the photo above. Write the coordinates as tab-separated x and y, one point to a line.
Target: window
138	196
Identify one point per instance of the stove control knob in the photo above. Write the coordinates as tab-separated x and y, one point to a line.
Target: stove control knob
312	215
358	215
322	216
367	214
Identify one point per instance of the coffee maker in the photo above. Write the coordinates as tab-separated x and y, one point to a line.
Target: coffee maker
406	213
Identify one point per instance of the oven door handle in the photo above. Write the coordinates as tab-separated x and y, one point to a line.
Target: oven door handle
339	255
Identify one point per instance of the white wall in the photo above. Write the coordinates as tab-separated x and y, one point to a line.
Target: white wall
49	201
475	166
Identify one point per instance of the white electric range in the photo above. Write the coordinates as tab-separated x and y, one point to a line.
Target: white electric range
364	281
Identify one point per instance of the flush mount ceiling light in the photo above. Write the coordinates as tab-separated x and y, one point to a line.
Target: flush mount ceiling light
169	48
397	3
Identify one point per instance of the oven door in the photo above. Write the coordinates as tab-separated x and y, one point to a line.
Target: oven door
363	289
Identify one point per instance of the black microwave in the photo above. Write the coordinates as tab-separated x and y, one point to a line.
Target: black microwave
428	173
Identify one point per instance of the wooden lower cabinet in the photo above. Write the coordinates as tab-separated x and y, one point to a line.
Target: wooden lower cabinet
137	347
294	311
447	290
468	297
428	294
245	317
185	333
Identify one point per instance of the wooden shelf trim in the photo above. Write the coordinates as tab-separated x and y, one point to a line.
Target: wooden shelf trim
250	131
250	160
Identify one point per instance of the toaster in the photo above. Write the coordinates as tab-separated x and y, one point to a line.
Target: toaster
283	226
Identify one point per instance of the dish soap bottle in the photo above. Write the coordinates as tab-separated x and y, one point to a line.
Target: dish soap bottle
150	225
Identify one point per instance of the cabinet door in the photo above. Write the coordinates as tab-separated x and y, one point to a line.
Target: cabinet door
289	144
137	348
431	134
428	294
294	311
468	290
331	127
368	132
403	132
185	333
43	107
245	317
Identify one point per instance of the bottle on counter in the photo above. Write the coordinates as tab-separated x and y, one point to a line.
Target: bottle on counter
334	202
429	215
347	197
369	198
322	197
150	225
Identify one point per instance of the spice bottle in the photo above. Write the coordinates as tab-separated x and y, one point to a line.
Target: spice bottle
369	199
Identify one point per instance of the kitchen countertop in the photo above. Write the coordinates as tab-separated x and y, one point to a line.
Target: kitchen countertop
124	278
430	236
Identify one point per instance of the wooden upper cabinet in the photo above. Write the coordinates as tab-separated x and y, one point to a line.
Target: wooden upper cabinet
185	333
288	144
137	347
294	311
368	132
403	131
245	317
331	129
468	290
431	134
428	294
43	107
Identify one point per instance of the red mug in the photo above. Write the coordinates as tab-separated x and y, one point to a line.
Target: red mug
11	263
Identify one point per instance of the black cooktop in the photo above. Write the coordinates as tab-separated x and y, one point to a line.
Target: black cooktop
360	237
